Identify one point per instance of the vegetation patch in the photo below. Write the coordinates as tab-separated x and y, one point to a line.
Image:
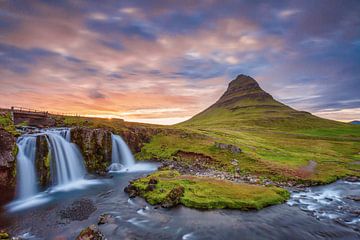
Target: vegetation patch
168	188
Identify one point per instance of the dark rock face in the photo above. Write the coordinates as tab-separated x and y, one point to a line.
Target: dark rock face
42	161
135	137
231	148
173	197
91	233
95	145
8	151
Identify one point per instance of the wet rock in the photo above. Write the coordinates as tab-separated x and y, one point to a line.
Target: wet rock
106	218
173	197
79	210
230	147
91	233
4	235
131	190
352	179
354	198
95	145
8	151
42	161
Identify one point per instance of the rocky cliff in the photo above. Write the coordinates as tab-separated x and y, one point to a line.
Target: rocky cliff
8	151
95	145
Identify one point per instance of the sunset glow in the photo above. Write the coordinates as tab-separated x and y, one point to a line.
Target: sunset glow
163	62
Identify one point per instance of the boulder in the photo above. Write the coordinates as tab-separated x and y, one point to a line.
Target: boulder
91	233
354	198
106	218
131	190
173	197
230	147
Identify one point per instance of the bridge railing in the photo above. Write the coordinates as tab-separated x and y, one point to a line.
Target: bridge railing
28	110
15	109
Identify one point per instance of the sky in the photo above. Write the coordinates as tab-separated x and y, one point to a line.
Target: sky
164	61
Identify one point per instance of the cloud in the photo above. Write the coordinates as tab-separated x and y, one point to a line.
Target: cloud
128	56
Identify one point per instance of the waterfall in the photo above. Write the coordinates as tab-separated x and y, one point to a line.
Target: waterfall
121	154
66	160
26	175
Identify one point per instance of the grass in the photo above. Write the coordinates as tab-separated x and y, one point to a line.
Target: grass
208	193
7	123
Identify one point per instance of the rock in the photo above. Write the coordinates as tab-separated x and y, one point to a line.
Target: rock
153	181
106	218
352	179
234	162
230	147
173	197
95	145
42	161
91	233
8	151
151	187
4	235
354	198
131	190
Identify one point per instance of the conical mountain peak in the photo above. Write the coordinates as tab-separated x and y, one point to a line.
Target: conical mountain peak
243	90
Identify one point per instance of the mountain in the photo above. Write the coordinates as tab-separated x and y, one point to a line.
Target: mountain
355	122
246	104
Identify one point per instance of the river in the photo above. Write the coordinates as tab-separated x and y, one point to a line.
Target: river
318	213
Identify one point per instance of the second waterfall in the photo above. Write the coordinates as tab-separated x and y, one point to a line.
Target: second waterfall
121	155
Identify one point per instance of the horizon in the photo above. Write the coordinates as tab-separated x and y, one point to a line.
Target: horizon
162	63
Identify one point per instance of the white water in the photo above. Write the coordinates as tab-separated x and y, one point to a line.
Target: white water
66	164
26	175
121	156
66	161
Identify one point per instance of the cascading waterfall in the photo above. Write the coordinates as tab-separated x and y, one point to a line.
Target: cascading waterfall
67	162
26	174
121	155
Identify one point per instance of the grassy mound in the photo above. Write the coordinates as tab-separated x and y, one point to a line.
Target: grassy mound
207	193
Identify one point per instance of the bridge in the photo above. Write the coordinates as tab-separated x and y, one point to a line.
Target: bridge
31	117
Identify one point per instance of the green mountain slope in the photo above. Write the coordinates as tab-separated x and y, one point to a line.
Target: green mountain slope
277	141
245	104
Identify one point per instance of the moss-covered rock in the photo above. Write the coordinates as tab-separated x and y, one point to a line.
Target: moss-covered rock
204	193
95	145
4	235
42	161
91	233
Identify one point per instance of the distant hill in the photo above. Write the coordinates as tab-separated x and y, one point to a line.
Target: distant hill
355	122
246	104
